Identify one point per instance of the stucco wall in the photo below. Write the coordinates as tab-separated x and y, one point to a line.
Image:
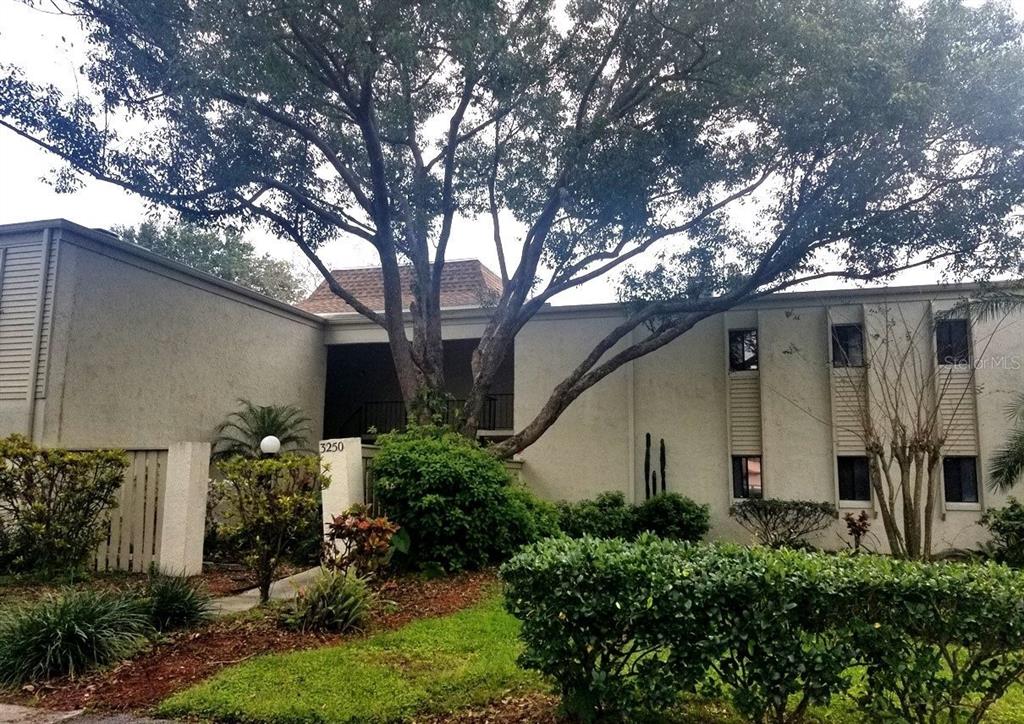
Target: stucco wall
144	355
678	393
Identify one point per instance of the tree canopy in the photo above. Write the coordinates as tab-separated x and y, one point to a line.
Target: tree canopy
225	255
751	145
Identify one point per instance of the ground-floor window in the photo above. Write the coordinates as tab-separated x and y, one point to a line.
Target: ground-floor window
960	475
746	476
854	477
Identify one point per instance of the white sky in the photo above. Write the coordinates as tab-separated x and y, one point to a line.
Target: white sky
50	47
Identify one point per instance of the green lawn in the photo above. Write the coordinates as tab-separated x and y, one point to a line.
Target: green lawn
430	666
433	665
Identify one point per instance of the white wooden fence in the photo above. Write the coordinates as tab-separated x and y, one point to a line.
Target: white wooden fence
132	543
160	514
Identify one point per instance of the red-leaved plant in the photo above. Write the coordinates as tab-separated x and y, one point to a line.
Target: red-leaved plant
356	540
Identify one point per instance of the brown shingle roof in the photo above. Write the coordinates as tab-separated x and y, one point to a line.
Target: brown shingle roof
464	283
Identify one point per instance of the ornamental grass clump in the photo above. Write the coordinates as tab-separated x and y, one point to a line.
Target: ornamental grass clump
69	633
625	629
176	601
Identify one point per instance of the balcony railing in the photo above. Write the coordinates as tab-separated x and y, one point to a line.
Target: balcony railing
387	415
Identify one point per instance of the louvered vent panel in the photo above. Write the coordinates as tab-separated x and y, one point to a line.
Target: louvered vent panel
19	296
848	404
745	414
957	407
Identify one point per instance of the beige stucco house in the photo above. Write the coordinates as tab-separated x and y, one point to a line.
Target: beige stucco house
103	343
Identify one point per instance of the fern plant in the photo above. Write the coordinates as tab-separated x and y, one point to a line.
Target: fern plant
242	431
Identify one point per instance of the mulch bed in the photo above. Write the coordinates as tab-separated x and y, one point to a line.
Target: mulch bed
533	708
183	659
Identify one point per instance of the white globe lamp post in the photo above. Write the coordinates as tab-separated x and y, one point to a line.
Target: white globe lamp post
270	445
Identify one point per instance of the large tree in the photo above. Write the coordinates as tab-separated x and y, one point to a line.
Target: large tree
857	138
225	254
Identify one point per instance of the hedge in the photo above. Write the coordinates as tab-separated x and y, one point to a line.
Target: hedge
626	628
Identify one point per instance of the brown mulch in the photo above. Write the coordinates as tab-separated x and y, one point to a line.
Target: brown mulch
532	708
183	659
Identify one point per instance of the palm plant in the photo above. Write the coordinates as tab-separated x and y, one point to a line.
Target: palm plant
1007	467
242	431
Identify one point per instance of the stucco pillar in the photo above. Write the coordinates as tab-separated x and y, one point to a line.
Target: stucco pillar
183	509
342	461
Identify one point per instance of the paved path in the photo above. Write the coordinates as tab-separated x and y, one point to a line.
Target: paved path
11	714
281	590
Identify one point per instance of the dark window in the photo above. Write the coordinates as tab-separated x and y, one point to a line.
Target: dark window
847	345
960	475
854	478
953	342
742	349
746	477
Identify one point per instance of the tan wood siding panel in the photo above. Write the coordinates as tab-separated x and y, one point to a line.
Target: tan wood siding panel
131	543
958	409
745	414
19	291
848	402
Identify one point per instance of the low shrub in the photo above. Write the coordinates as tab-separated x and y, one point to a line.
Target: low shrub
626	628
358	541
53	504
456	501
335	601
672	516
1006	525
265	500
783	523
176	602
606	516
70	633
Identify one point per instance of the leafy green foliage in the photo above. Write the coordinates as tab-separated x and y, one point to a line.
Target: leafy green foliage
456	501
69	633
783	523
1007	466
176	601
1006	525
667	515
265	499
673	516
606	516
626	628
242	431
358	541
865	137
224	254
53	503
336	601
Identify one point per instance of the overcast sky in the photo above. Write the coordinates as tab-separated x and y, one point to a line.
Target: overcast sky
50	48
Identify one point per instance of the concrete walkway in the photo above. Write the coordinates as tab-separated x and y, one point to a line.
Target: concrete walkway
281	590
11	714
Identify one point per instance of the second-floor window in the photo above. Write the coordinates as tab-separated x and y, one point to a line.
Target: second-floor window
854	477
847	345
953	341
746	476
960	475
742	350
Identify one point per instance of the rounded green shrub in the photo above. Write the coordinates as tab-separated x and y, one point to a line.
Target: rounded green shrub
335	601
625	628
70	633
456	501
673	516
606	516
176	602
